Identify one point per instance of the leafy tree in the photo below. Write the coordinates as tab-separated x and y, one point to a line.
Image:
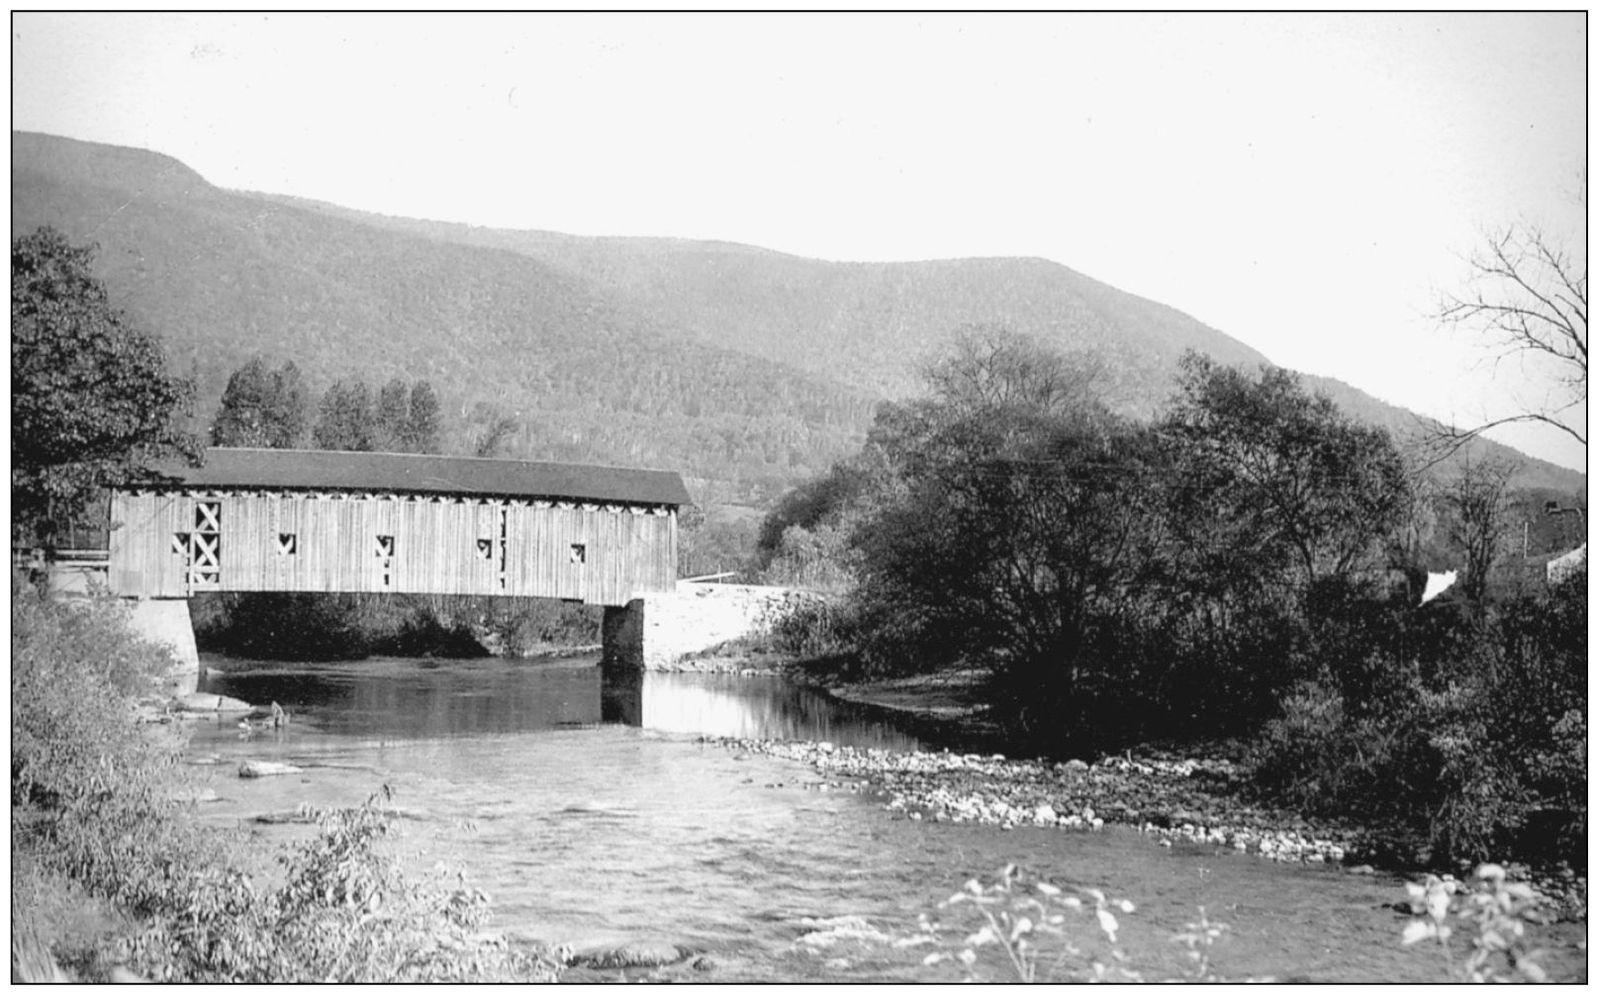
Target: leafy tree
91	402
261	408
1010	533
1272	480
393	415
346	421
425	424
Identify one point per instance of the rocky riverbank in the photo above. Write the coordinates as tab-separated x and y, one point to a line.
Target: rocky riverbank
1178	801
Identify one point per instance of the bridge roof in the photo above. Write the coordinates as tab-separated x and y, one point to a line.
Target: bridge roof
227	467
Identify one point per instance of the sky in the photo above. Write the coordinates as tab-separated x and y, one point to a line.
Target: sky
1308	184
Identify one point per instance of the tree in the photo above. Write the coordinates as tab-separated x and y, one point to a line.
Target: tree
393	415
490	429
1009	529
1477	502
261	408
346	421
1271	479
425	423
1527	299
92	404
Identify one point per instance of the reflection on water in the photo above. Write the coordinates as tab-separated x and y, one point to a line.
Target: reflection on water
405	698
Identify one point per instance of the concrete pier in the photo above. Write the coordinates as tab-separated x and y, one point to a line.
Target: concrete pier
656	631
167	621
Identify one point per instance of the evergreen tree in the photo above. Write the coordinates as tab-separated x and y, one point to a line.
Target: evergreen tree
260	408
425	422
346	421
239	418
393	416
287	409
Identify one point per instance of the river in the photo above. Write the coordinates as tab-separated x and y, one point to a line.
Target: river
596	816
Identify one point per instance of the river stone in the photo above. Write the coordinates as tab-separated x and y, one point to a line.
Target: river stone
262	769
206	702
641	954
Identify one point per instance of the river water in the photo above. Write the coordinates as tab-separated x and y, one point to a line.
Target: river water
595	816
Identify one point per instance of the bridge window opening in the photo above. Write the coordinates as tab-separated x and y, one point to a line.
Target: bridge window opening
204	547
485	549
579	553
504	531
180	543
287	544
385	559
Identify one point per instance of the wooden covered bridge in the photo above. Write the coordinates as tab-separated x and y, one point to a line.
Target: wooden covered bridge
326	521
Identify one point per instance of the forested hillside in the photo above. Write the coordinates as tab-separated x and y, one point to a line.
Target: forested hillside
872	326
730	363
223	278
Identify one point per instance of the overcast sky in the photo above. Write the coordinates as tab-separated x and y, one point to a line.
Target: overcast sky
1306	184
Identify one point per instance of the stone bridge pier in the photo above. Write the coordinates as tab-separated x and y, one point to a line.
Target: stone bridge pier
658	630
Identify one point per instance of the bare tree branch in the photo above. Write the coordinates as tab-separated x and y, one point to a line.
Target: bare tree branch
1528	296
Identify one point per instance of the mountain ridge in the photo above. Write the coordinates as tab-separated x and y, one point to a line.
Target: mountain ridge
724	359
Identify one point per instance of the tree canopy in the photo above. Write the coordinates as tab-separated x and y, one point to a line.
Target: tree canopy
92	403
261	408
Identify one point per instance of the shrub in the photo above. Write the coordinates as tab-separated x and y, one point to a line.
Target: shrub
75	672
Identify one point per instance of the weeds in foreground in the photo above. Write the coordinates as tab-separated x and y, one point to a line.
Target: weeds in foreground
1020	915
1494	913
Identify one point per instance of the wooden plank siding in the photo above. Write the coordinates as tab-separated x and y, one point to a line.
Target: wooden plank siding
282	540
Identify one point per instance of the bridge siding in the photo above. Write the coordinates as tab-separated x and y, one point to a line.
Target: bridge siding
436	550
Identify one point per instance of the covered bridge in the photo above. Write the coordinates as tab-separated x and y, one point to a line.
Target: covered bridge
316	520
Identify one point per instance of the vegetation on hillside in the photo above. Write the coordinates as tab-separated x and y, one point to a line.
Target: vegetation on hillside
748	367
1250	566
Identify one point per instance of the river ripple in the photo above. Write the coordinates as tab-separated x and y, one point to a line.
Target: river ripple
586	832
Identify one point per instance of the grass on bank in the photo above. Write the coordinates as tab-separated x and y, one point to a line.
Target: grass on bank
111	874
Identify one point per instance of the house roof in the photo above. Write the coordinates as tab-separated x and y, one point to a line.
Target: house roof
227	467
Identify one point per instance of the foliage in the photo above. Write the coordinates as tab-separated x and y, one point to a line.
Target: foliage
1020	915
1471	739
1477	506
92	811
1283	480
403	420
74	670
91	402
1008	531
1495	912
392	415
345	421
423	421
261	408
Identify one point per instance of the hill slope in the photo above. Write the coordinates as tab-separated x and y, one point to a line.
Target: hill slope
870	325
724	360
222	277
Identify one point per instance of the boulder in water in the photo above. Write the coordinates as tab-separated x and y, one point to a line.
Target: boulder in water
207	702
264	769
635	955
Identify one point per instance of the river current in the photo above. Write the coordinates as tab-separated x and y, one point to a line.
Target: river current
596	816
